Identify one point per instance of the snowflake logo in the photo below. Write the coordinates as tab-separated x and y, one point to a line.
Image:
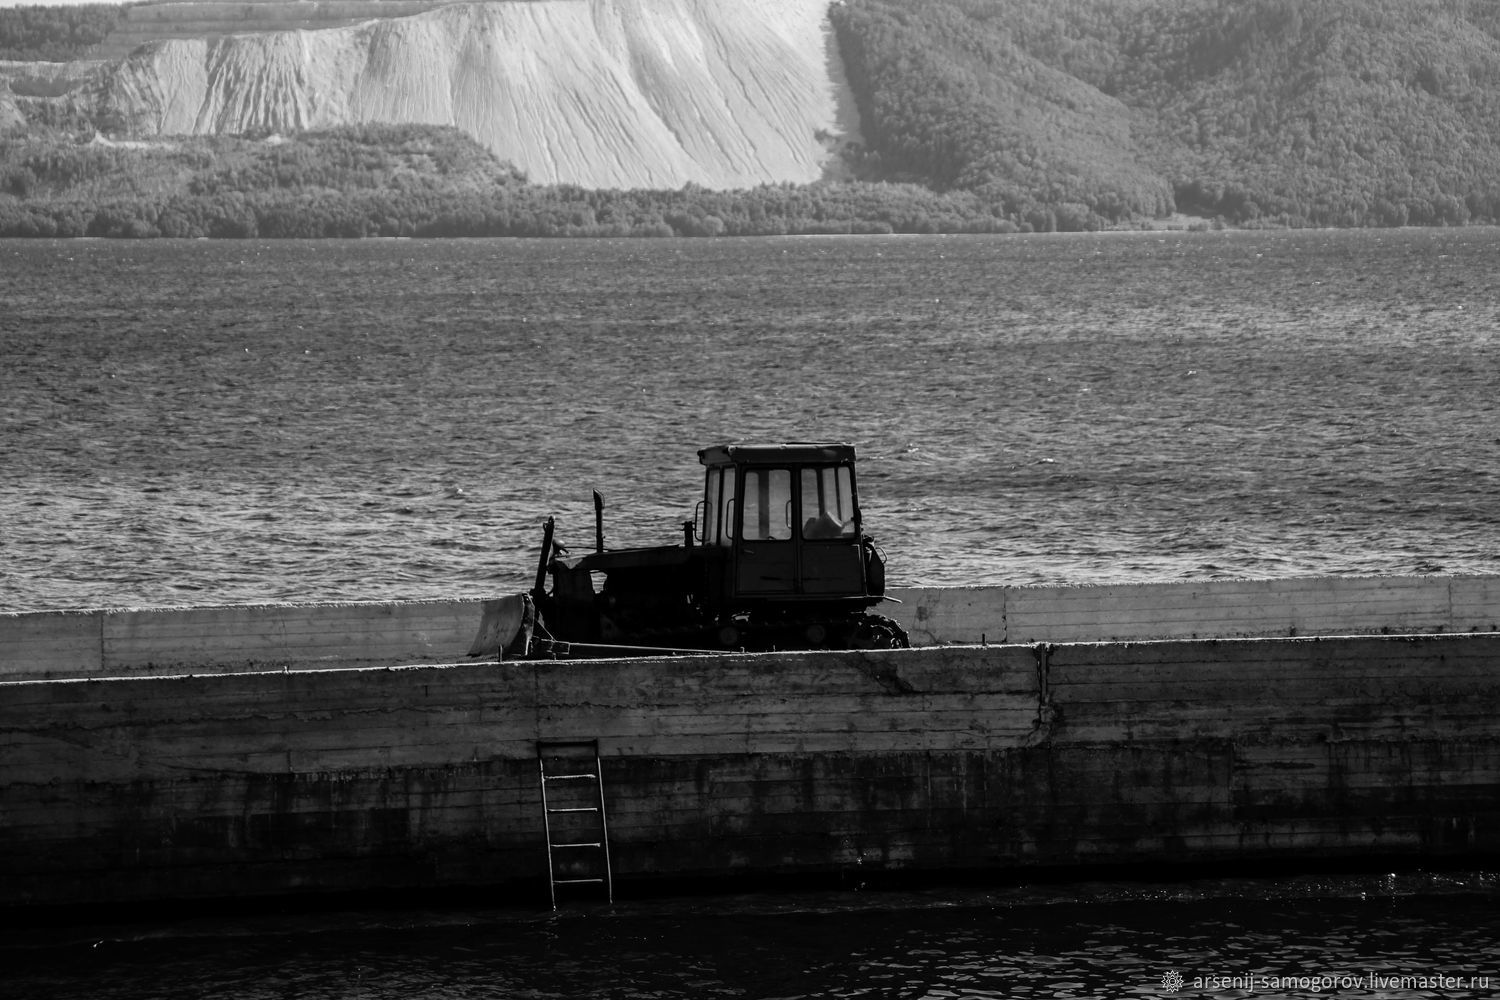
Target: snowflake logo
1171	981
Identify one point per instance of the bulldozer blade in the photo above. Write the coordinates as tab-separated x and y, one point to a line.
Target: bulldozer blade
502	621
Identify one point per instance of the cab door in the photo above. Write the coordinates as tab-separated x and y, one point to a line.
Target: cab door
766	554
830	563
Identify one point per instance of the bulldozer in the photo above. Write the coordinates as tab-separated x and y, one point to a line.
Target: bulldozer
776	558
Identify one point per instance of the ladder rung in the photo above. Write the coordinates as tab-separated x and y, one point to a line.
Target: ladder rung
571	759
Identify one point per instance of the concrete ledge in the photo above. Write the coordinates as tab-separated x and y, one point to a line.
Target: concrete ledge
135	642
1474	603
51	644
157	641
288	635
1220	608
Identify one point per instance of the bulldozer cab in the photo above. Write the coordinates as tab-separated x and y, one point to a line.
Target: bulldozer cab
780	524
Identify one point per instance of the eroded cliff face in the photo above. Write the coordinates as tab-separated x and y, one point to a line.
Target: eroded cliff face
600	93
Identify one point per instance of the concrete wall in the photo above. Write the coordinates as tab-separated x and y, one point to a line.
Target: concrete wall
940	758
304	636
1200	609
159	641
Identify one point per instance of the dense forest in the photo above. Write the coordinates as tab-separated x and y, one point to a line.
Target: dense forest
1284	112
55	34
408	180
978	116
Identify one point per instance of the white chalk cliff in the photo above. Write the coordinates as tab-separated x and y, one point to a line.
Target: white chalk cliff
600	93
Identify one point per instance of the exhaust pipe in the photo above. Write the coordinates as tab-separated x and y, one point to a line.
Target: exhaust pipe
598	521
539	589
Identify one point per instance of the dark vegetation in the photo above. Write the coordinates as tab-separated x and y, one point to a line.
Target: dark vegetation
978	116
406	180
55	34
1284	112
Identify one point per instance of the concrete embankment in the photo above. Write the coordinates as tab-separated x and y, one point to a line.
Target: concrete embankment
125	642
947	757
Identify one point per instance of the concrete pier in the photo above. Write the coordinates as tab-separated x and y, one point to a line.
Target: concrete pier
129	642
284	778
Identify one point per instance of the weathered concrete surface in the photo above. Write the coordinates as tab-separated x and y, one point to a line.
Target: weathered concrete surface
1200	609
35	645
126	642
156	641
948	757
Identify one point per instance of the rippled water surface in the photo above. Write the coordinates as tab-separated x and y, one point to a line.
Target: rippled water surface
202	422
1385	937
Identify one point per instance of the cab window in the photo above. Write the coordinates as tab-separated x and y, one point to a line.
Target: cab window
719	507
827	498
766	505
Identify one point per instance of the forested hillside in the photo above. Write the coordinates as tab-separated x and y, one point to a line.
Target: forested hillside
976	115
1293	112
949	96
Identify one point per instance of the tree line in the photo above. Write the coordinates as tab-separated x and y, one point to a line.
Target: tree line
410	180
552	211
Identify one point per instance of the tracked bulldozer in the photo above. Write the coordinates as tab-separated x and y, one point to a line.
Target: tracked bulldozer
775	558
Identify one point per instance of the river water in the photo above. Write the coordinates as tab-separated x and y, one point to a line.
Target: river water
1377	936
205	422
200	423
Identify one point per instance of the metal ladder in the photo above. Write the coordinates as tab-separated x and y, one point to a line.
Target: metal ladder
577	829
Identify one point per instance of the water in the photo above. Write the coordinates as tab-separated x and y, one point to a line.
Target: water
1384	937
201	423
197	423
